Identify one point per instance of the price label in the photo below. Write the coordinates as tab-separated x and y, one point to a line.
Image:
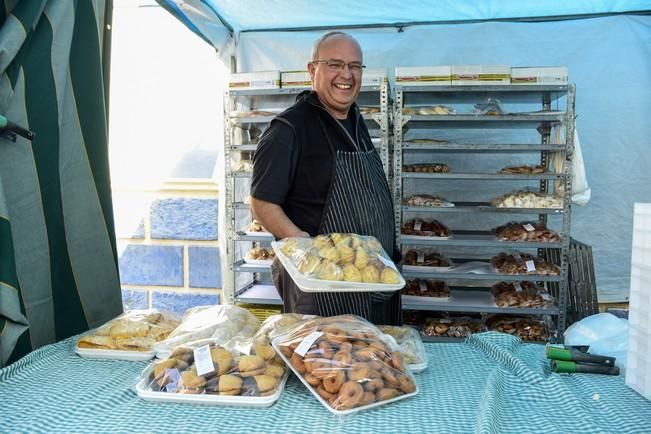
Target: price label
423	285
203	361
517	286
306	343
528	227
420	258
417	225
530	265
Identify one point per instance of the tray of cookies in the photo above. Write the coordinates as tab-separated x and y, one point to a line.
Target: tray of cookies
338	262
347	363
526	232
426	289
260	256
204	372
130	336
522	263
524	169
522	295
526	328
426	167
411	346
425	260
256	229
451	326
418	229
427	200
527	199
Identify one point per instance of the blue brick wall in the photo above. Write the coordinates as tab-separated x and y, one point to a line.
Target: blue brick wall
133	299
184	219
152	265
204	268
179	302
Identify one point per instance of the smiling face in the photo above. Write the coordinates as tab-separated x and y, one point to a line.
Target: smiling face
337	89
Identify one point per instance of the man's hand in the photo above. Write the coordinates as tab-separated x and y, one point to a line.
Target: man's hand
274	219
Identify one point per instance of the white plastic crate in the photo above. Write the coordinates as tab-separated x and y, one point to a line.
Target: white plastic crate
638	361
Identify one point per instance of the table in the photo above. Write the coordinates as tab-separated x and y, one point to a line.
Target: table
490	383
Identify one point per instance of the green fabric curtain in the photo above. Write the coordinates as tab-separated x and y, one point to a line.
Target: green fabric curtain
58	261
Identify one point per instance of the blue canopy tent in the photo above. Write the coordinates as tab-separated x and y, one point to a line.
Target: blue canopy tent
605	44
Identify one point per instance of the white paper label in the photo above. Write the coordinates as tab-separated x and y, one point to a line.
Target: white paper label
530	265
306	343
517	286
422	285
262	83
528	227
417	225
420	258
203	361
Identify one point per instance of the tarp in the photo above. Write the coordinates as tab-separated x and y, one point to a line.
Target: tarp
609	59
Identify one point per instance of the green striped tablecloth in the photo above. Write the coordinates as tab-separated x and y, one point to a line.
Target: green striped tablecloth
491	383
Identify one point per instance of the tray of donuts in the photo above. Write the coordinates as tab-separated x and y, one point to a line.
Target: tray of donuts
347	363
203	372
338	262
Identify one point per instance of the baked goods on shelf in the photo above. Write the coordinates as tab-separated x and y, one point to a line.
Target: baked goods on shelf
451	327
526	231
255	226
429	110
426	288
426	200
432	228
524	170
136	330
347	362
522	295
366	110
526	328
426	167
261	254
425	258
527	199
523	263
252	113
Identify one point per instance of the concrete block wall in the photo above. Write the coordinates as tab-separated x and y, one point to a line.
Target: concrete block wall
170	259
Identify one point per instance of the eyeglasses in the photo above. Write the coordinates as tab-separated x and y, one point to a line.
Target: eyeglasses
339	65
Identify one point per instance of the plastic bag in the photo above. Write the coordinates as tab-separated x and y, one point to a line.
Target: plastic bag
347	363
606	335
523	263
526	231
443	325
410	342
528	329
219	323
492	106
521	295
527	199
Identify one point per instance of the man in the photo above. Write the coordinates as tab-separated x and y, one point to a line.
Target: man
316	171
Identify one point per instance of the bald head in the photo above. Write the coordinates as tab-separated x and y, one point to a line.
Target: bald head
331	37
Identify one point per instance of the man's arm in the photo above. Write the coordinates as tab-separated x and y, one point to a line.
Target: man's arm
274	219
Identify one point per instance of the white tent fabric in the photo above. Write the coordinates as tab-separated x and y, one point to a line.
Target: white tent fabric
609	60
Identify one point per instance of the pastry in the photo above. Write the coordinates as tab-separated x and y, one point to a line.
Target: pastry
352	273
260	254
524	170
425	259
523	263
426	167
528	199
190	382
426	200
526	231
259	385
250	365
96	342
426	288
389	275
425	228
370	274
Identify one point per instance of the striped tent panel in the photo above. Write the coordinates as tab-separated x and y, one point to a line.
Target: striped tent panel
57	187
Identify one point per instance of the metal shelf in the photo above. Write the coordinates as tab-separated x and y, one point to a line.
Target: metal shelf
485	147
241	236
242	267
539	117
474	207
259	294
240	205
241	174
539	88
483	176
469	301
237	120
285	91
494	277
244	147
478	239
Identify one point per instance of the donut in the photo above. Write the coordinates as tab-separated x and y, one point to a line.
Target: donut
358	372
297	362
386	393
346	347
321	369
334	335
326	350
286	350
332	383
324	394
358	345
376	365
312	380
367	398
397	361
406	384
373	385
389	377
350	395
367	354
343	357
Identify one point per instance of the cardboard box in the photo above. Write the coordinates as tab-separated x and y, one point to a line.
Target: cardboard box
254	80
478	75
539	75
374	77
295	79
423	75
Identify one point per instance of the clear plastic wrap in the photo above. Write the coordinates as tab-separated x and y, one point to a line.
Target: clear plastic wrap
523	263
411	346
526	328
425	228
492	106
277	325
527	199
524	169
426	167
451	326
239	372
522	295
427	200
526	231
132	332
338	262
429	110
425	259
347	363
260	256
426	288
219	323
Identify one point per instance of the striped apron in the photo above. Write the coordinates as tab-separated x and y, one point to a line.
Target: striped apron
359	201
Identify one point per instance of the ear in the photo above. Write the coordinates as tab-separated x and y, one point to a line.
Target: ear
311	67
